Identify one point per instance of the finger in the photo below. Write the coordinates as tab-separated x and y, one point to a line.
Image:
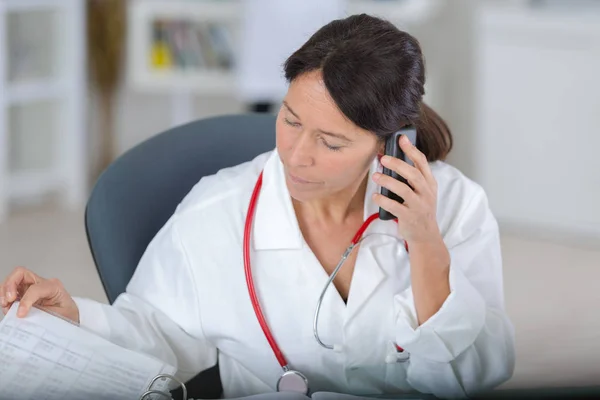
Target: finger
411	174
19	278
397	187
418	159
36	294
391	206
2	296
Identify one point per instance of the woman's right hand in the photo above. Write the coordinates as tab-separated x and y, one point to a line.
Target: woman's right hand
30	289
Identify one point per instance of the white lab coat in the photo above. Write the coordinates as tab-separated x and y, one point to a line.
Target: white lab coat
271	31
188	302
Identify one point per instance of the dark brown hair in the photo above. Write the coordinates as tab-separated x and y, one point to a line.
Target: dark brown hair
375	73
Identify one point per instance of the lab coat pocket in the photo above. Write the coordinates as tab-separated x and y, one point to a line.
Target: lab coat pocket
397	363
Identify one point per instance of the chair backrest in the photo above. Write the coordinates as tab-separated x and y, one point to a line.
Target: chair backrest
138	192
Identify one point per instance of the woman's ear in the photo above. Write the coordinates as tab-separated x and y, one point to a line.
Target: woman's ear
380	149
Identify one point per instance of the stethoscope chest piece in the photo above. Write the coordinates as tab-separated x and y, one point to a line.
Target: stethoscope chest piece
397	355
403	356
292	381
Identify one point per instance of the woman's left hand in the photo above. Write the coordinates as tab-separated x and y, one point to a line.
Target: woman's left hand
417	215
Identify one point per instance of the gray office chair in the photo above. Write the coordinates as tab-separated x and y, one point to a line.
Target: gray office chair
138	193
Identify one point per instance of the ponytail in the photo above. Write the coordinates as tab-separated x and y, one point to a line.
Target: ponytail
434	138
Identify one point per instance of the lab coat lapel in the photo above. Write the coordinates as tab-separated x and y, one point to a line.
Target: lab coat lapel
368	275
374	253
275	225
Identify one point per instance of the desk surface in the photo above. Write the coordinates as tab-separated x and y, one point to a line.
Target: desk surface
591	392
539	393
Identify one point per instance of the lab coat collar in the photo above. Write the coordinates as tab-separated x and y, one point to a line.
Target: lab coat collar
275	223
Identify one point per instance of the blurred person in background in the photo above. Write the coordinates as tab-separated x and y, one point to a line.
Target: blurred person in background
271	31
417	307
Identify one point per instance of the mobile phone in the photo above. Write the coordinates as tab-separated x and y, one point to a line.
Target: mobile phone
392	148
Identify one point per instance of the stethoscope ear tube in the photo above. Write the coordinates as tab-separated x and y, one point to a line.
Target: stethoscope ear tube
290	380
322	296
357	239
250	281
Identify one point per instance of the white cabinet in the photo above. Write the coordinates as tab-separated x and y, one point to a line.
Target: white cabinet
42	96
538	118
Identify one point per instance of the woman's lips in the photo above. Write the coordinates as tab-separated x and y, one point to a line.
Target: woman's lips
299	180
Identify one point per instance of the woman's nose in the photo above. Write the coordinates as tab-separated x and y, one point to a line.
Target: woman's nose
302	152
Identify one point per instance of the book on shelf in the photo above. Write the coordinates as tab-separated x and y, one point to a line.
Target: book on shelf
191	45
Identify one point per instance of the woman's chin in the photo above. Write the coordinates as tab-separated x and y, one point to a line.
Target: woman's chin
303	193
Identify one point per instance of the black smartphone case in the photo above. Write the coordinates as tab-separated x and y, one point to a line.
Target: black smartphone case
392	148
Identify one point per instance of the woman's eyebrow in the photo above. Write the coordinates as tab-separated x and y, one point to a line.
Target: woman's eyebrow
336	135
290	109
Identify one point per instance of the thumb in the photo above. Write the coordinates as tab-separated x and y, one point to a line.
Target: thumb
40	292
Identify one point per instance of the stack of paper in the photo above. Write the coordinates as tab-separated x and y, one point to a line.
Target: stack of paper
45	357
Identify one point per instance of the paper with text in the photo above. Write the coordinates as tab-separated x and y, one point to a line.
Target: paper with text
45	357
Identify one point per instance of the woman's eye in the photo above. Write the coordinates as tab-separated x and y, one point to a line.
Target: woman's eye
330	147
290	123
297	124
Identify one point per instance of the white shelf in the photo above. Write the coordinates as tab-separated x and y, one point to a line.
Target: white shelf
21	93
66	87
143	77
31	184
198	10
33	5
205	82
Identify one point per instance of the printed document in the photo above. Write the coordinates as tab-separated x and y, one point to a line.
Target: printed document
45	357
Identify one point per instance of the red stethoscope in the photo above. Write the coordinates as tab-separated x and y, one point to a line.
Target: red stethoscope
291	380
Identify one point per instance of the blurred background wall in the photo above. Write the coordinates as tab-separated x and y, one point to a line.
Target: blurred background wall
517	81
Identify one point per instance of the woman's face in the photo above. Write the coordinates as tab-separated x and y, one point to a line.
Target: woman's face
323	153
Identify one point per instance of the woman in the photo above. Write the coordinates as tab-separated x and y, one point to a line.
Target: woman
430	320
